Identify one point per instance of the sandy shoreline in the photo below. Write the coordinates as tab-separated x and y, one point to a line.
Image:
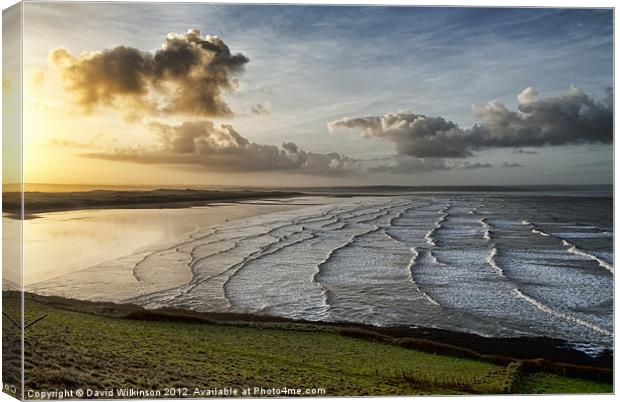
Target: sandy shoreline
41	202
117	279
362	260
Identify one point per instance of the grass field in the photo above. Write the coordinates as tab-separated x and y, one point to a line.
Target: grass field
73	350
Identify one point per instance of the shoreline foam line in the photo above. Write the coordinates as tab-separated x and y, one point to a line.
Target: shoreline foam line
539	305
319	270
438	225
559	314
490	260
487	229
577	251
573	249
414	257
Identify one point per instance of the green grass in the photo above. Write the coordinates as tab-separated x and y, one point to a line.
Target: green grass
543	383
78	350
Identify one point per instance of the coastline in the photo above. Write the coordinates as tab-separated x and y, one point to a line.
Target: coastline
168	198
112	266
167	273
37	202
493	367
445	341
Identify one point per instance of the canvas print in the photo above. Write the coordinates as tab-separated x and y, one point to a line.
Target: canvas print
228	200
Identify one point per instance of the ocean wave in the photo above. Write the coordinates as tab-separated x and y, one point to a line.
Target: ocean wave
392	221
491	261
487	229
203	257
560	314
262	254
493	264
319	268
414	257
374	217
577	251
436	260
583	235
486	271
572	248
539	232
438	225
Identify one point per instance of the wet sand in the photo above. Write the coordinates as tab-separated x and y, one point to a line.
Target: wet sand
93	252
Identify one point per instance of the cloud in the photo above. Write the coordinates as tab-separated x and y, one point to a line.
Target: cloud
526	151
571	118
477	165
604	163
221	148
96	141
187	76
261	108
414	134
69	143
409	165
511	165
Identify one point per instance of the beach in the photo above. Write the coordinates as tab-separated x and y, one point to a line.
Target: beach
453	262
52	238
523	289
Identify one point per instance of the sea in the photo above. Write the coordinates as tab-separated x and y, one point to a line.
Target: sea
497	264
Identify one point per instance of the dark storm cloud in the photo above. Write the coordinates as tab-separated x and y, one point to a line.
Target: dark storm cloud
187	76
571	118
221	148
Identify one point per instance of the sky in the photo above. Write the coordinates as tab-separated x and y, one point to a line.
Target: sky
203	94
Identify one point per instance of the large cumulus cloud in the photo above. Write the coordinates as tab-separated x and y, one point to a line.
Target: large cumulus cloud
414	134
570	118
187	76
221	148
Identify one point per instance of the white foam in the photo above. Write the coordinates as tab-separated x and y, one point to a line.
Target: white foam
435	260
575	250
493	264
438	225
560	314
414	256
487	229
540	232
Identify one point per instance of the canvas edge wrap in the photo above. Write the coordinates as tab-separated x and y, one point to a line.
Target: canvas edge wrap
12	184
